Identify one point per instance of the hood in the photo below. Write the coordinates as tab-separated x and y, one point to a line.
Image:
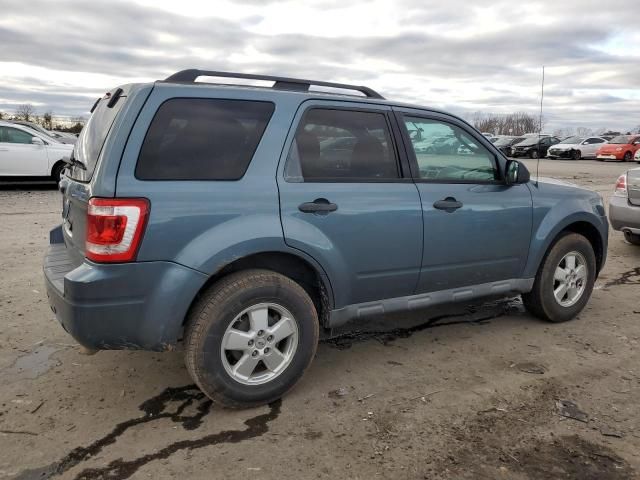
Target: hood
564	146
66	147
611	147
556	181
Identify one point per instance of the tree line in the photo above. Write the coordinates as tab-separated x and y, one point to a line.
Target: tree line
519	123
26	112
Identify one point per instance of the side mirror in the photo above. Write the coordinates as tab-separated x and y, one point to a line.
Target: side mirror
516	173
37	141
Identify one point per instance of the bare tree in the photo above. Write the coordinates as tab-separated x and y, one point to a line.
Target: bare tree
517	123
25	112
584	131
47	120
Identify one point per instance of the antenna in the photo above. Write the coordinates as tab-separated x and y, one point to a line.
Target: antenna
540	130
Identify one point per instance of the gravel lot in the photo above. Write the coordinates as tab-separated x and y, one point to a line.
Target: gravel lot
396	397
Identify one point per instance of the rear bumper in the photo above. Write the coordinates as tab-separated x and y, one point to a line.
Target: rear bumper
119	306
623	215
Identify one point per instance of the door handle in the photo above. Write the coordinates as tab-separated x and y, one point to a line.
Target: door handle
319	205
449	204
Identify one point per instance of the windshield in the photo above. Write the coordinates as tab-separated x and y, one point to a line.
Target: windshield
573	140
621	139
529	141
91	139
503	141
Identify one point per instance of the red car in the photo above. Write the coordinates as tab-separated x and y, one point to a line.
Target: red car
621	148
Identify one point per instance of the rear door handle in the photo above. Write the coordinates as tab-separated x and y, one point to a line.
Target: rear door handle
319	205
449	204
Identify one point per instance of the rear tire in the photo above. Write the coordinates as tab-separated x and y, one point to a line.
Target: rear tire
547	300
632	238
628	157
257	307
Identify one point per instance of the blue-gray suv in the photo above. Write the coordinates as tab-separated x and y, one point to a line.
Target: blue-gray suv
240	220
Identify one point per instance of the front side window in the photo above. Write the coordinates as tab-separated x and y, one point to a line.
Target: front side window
445	152
202	139
13	135
342	145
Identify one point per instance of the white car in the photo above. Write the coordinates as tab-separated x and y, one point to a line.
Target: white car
576	148
27	153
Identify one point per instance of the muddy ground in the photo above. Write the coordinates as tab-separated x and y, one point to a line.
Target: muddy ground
465	392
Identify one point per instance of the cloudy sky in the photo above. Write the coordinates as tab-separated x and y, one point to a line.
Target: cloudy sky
453	54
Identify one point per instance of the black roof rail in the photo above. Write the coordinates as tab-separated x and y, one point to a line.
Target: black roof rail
281	83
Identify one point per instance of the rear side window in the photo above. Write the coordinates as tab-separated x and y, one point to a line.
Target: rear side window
342	145
92	137
202	139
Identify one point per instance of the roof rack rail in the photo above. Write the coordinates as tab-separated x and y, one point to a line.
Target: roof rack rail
281	83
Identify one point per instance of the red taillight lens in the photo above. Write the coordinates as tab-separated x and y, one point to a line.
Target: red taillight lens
621	185
114	228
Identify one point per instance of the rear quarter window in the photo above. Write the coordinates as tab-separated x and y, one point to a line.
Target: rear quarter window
202	139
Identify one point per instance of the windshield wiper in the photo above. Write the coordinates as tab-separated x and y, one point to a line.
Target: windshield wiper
74	163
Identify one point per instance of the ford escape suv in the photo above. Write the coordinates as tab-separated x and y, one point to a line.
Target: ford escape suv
241	220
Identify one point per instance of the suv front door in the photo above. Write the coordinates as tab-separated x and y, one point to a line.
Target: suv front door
477	229
345	201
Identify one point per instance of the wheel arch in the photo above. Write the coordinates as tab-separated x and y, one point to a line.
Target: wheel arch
301	270
579	225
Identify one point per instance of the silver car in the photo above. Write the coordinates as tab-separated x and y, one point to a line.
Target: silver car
624	206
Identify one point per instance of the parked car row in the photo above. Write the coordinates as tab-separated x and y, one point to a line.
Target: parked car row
25	151
622	148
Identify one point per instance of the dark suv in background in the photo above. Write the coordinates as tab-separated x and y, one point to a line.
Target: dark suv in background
533	147
241	220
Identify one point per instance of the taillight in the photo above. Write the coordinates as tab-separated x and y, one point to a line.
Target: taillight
621	185
114	228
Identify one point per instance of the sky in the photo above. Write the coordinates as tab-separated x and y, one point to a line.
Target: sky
456	55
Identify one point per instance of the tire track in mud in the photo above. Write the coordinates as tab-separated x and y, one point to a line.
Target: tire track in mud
473	315
155	409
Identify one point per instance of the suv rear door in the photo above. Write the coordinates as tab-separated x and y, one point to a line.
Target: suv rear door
477	229
345	201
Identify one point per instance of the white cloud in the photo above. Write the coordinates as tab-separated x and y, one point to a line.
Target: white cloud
461	56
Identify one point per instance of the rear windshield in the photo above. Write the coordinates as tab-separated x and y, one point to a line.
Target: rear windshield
202	139
529	141
91	139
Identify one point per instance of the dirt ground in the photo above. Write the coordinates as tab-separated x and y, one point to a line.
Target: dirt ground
465	392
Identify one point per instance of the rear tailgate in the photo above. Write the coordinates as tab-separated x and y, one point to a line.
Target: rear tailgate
633	186
76	187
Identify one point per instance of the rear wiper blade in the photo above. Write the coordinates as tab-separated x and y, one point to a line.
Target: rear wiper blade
74	163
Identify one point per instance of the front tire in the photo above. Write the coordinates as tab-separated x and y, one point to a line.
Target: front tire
628	157
250	338
533	154
577	154
564	281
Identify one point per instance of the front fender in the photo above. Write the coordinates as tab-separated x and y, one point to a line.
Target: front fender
555	215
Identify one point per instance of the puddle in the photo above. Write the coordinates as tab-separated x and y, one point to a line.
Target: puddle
474	315
32	365
155	408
